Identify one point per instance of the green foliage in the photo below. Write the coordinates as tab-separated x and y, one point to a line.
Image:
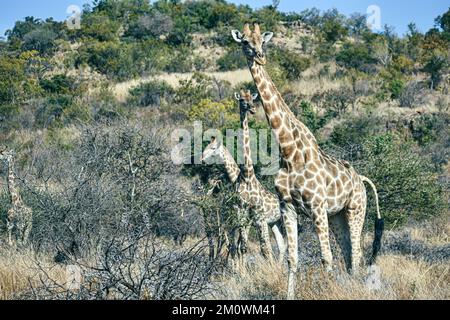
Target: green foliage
60	84
407	186
427	128
308	116
355	130
100	27
181	60
395	87
153	93
333	26
435	66
42	39
233	59
293	64
193	90
355	56
110	58
215	114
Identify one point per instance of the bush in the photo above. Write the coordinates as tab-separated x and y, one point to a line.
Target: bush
233	59
355	130
99	27
154	25
427	128
41	39
215	114
355	56
181	60
110	58
152	93
411	95
407	185
293	64
395	88
60	84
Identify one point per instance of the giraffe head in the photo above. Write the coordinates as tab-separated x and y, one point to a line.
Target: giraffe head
214	149
253	43
246	101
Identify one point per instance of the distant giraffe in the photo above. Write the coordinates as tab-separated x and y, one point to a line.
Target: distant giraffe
311	182
19	216
261	206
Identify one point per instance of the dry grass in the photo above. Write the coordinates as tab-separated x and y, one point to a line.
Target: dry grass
401	278
19	272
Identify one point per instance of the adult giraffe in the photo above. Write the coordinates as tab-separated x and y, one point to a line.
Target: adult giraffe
309	181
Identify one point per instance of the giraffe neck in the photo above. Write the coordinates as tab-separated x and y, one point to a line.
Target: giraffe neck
231	166
286	127
248	172
12	188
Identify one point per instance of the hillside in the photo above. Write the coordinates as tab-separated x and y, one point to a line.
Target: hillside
90	114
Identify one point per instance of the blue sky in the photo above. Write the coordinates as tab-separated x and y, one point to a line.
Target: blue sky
397	13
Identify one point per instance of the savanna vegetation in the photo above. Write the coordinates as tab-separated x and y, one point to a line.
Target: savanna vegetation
90	113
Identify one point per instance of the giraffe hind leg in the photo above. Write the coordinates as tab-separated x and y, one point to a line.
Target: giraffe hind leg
356	223
339	226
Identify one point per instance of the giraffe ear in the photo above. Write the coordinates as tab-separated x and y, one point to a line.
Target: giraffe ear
267	36
237	36
237	96
255	96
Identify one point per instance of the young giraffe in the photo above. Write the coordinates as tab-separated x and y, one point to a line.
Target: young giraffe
19	216
261	206
330	191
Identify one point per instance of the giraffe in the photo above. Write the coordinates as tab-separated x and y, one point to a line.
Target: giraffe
309	181
261	206
19	215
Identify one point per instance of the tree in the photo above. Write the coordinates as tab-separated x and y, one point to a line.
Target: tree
155	25
355	56
41	39
435	66
333	26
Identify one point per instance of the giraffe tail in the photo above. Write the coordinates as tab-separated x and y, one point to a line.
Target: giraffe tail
379	224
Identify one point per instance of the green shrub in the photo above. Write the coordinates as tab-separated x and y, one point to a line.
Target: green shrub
355	56
215	114
427	128
60	84
99	27
181	60
395	87
152	93
293	64
406	183
233	59
355	130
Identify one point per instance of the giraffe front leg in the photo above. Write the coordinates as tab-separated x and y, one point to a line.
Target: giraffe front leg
290	221
320	218
280	241
243	240
10	227
263	232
